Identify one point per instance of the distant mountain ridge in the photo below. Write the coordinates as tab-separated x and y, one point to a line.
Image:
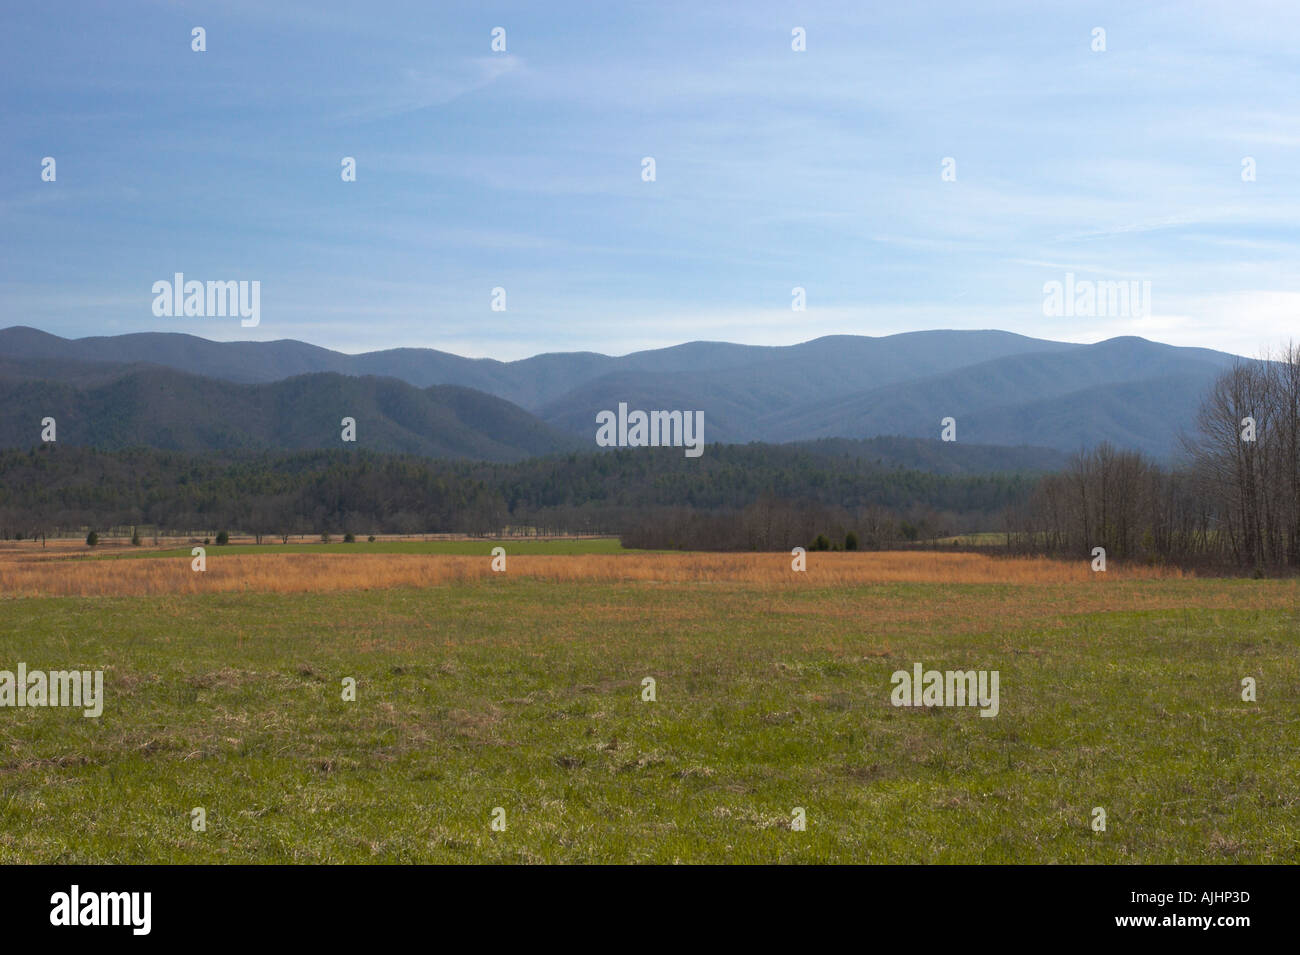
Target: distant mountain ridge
529	382
1002	388
152	406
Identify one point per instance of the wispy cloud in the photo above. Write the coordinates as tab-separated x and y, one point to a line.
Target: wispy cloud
413	89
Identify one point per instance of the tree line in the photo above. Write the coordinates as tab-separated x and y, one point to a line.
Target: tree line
1232	500
780	490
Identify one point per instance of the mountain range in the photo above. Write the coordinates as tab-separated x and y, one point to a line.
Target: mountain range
178	391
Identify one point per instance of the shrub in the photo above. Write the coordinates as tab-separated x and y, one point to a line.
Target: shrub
821	543
850	541
92	539
135	537
349	539
223	538
325	538
372	538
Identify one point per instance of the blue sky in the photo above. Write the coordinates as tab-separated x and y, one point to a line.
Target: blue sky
775	169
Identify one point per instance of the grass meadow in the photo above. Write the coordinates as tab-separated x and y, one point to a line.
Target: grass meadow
523	691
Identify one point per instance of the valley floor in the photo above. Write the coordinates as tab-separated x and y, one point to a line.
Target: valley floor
523	692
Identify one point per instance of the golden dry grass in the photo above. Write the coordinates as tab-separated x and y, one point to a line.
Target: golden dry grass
320	573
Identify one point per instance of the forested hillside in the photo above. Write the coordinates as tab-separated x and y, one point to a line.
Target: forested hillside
55	489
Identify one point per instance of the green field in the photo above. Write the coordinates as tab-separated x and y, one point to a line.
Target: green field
526	695
980	539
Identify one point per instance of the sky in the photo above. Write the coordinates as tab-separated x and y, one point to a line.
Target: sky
774	169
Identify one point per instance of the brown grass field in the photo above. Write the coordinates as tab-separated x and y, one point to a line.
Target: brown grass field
67	573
